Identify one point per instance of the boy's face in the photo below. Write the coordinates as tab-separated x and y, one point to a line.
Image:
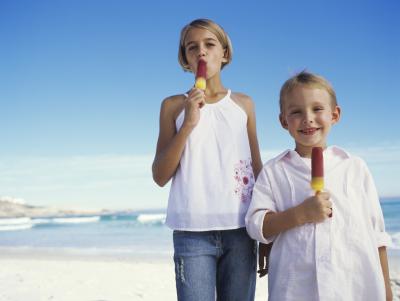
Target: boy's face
308	115
203	44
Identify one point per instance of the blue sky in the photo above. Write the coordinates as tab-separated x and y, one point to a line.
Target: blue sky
81	84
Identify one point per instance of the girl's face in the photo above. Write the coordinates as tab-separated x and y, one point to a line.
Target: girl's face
308	115
202	44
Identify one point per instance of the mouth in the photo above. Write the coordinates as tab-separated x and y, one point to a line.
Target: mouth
309	131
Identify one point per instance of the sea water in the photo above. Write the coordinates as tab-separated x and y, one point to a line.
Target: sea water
124	233
142	234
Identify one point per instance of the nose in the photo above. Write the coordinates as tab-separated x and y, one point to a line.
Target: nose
308	118
202	51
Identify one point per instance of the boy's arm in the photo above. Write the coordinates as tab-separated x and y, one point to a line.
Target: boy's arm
315	209
376	217
385	271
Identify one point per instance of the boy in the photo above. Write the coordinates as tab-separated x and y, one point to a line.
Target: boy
315	257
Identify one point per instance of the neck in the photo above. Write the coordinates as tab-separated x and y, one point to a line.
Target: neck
214	90
214	86
305	151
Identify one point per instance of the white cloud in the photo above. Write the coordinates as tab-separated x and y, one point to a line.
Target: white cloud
108	181
12	200
117	181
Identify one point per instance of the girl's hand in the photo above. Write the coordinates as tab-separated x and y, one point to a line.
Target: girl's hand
195	101
389	294
317	208
263	258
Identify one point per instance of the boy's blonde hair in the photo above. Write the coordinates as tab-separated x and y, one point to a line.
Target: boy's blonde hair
309	80
212	27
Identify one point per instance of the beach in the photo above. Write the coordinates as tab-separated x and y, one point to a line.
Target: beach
44	275
114	257
47	275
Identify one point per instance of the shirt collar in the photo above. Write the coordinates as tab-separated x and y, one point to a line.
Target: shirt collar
333	155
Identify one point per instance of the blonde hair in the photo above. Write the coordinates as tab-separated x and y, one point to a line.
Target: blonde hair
212	27
306	79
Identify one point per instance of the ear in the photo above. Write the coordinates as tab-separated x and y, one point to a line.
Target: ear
336	115
224	58
283	121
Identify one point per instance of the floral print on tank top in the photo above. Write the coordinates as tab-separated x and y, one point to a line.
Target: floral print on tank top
244	178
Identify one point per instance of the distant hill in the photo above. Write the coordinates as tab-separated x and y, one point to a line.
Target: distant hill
12	209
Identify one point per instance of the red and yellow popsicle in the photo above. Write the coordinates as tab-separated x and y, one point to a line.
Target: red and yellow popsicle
201	75
317	170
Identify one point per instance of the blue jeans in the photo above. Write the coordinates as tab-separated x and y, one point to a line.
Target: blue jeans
214	265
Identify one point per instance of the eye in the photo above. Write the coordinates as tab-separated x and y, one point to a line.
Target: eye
317	109
295	112
210	44
192	47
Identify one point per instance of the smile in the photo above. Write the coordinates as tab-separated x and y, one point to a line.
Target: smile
309	131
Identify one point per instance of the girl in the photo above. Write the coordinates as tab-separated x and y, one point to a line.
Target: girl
208	145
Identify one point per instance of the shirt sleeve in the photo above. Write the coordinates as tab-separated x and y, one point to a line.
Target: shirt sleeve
378	224
262	202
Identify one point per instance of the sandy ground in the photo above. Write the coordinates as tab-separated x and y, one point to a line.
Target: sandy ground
48	276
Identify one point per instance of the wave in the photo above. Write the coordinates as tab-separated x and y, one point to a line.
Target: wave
41	221
25	223
13	224
16	227
151	218
76	220
14	221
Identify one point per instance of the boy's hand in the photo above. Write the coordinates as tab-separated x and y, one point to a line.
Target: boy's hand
194	102
317	208
263	258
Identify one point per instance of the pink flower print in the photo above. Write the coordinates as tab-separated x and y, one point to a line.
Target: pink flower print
244	177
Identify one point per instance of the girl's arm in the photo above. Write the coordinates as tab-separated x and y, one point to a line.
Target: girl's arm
247	105
171	143
253	141
385	271
315	209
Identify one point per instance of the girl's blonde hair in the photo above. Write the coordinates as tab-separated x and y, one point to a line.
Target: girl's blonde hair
309	80
212	27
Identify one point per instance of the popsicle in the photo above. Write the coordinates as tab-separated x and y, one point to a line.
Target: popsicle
201	75
317	170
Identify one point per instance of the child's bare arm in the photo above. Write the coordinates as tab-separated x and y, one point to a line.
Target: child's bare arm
315	209
385	271
171	144
264	250
253	141
247	104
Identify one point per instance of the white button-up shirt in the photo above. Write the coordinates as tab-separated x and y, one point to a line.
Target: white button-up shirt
337	259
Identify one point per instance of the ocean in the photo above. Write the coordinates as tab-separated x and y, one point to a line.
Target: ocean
124	234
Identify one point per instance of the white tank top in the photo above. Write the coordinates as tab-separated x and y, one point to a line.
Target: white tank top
212	186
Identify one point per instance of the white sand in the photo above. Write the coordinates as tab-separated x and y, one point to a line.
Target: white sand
39	277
